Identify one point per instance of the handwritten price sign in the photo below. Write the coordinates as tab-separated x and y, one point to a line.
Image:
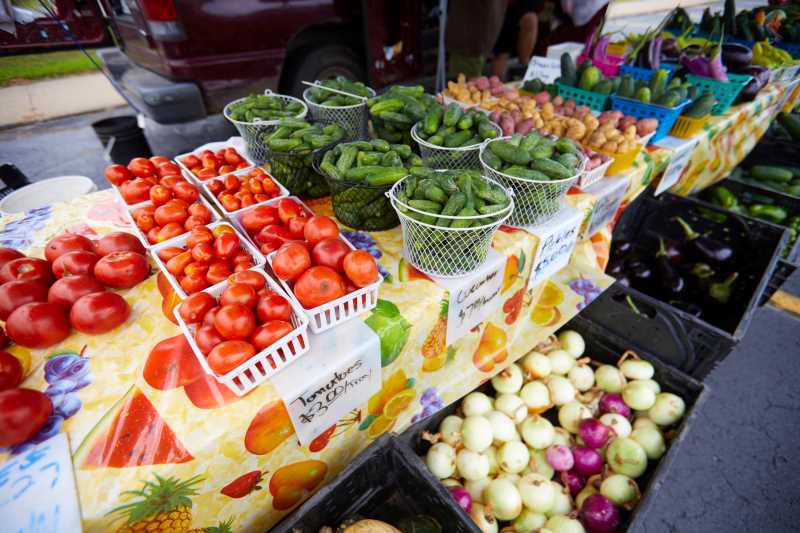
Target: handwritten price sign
546	69
681	155
557	239
609	193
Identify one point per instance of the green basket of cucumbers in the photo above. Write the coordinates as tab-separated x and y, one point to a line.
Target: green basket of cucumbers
448	218
292	148
359	174
395	111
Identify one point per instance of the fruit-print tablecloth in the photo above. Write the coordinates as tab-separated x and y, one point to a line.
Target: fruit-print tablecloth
169	449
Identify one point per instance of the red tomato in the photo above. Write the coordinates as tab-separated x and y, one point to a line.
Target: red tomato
186	191
75	263
159	160
330	253
194	283
66	242
297	226
141	167
318	285
145	222
152	235
10	371
38	325
206	173
119	241
167	168
226	245
243	266
3	338
207	337
165	254
195	307
238	293
8	254
170	181
232	157
67	290
254	279
216	187
135	191
200	211
23	412
320	227
273	306
291	260
170	212
218	271
229	354
194	222
203	252
229	202
121	270
196	269
17	293
99	312
274	233
147	209
160	194
198	235
117	174
27	269
211	315
191	161
169	231
177	264
360	267
269	333
234	321
287	209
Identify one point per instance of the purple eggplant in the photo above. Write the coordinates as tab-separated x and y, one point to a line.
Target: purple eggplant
736	56
704	248
655	52
668	279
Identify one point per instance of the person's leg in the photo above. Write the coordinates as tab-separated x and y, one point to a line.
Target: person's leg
528	33
499	64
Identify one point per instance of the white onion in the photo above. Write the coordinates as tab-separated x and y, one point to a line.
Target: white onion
620	424
637	369
626	456
513	478
491	454
561	362
475	488
667	410
483	519
563	524
476	433
638	395
651	440
441	460
582	376
571	413
563	437
536	396
513	457
572	342
652	384
472	465
536	365
537	432
537	493
509	381
476	404
643	421
451	482
503	499
538	464
561	390
562	503
619	489
585	492
512	406
503	428
450	430
609	378
528	521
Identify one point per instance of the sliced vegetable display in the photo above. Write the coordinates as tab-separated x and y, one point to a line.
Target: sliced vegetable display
264	107
451	127
396	110
534	157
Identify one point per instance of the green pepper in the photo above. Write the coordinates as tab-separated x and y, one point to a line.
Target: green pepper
770	213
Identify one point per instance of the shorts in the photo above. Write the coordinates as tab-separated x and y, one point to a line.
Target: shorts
509	34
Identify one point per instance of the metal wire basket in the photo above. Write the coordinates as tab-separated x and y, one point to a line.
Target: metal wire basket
253	132
353	118
440	157
536	201
442	251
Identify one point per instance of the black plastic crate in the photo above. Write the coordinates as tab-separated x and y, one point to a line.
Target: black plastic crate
387	482
758	245
605	346
783	270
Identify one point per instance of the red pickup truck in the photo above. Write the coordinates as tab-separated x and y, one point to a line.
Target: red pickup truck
182	60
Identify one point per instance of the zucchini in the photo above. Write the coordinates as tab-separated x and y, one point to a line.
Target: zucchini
569	74
770	173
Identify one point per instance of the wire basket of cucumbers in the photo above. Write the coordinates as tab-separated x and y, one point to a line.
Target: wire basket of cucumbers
448	218
450	138
341	101
359	174
397	109
291	151
257	114
539	170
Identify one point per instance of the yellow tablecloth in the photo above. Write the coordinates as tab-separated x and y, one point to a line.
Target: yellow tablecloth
237	456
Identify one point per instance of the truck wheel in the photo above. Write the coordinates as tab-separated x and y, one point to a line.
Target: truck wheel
319	64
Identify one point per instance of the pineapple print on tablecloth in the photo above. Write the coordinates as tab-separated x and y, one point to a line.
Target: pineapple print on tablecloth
434	348
163	505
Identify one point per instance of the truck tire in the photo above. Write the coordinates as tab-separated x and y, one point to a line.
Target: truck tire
320	63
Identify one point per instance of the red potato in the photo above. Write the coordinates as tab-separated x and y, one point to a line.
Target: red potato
646	126
542	98
524	127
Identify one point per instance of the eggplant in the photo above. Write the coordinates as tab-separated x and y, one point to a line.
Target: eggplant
721	292
639	273
704	248
699	280
670	48
621	248
736	56
668	279
674	252
614	269
760	79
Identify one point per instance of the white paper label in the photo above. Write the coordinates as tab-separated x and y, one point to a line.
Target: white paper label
557	238
475	297
609	193
546	69
681	154
37	489
340	372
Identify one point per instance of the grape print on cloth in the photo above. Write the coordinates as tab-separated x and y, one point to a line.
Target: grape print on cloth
585	288
19	233
431	403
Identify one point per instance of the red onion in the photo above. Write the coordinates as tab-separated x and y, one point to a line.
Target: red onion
462	497
599	515
573	481
593	432
611	402
559	457
587	461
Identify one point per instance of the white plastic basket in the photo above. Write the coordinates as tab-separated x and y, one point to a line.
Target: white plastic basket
253	132
535	201
326	316
265	363
258	259
442	157
129	209
441	251
588	177
283	194
233	142
353	118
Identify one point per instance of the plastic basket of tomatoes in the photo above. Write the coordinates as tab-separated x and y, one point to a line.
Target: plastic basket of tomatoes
159	221
133	182
204	257
244	329
242	189
215	159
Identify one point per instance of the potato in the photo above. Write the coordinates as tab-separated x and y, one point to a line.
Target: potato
591	122
610	146
482	83
625	147
548	110
630	133
646	126
542	98
558	100
626	121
